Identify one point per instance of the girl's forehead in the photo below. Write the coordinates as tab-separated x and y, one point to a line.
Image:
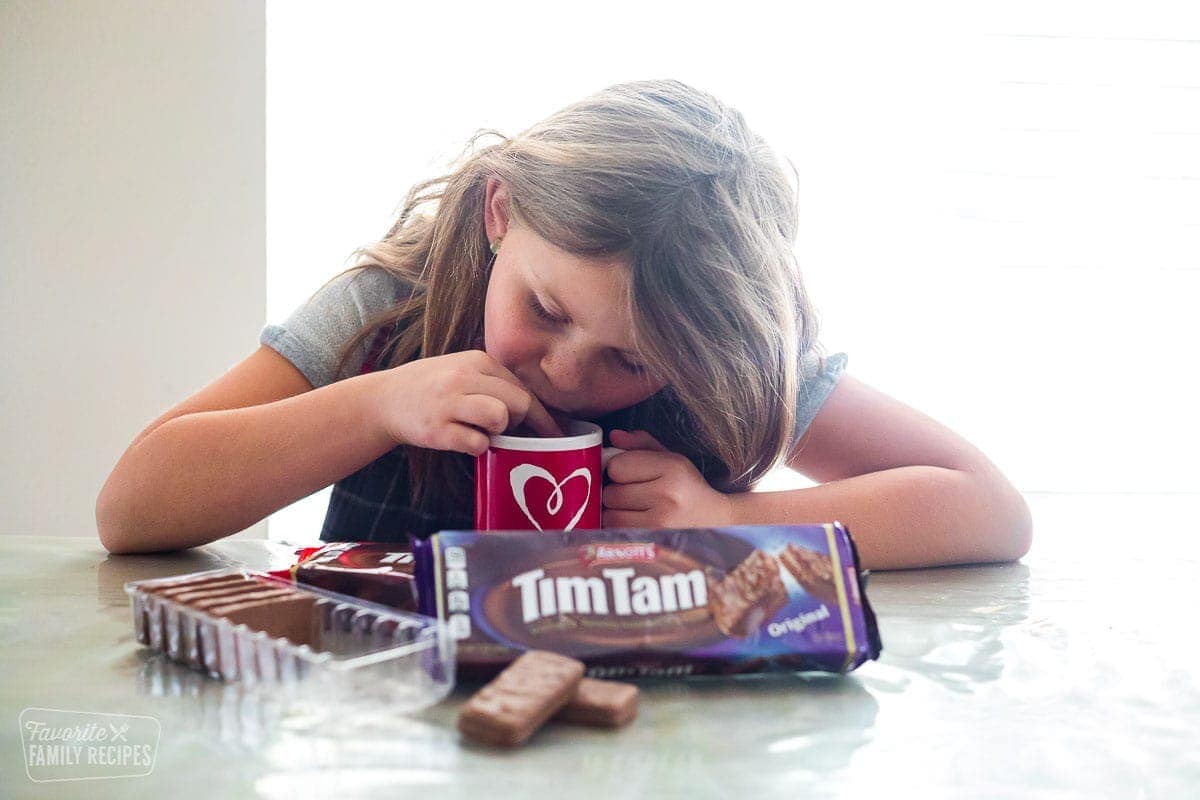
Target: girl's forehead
550	265
573	284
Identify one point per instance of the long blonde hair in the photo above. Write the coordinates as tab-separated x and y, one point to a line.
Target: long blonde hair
699	208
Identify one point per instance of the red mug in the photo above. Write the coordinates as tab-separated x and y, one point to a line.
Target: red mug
542	483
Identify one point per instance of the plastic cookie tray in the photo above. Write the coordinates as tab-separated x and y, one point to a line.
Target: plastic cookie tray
398	657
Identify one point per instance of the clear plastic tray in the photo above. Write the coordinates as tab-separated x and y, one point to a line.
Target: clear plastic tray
361	649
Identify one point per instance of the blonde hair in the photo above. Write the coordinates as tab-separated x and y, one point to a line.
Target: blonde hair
672	182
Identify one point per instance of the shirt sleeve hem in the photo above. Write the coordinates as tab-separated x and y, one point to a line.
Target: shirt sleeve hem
816	391
282	341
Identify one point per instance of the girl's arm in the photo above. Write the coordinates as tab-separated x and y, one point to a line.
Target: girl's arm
209	473
203	475
911	491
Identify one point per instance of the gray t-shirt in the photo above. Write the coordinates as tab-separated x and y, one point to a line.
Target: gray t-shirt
314	334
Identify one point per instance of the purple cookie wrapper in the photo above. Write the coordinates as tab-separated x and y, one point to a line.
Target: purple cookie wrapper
652	603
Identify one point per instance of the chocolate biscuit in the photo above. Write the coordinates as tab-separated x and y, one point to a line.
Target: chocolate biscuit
812	570
603	704
185	586
189	645
520	699
288	615
258	593
168	589
748	596
193	597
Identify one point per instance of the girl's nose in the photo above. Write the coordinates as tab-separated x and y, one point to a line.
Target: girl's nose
564	371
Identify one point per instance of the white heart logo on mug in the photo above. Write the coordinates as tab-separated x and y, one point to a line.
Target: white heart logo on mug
521	475
504	485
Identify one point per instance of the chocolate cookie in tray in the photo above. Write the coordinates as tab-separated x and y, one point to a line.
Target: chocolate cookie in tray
236	624
631	602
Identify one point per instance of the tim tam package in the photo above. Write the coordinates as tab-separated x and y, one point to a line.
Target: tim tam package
631	602
381	572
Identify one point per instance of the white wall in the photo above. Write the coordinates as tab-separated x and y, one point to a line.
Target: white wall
132	232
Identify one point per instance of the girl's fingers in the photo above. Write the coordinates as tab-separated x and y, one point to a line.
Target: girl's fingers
635	440
628	497
523	405
468	439
489	414
626	519
636	466
541	420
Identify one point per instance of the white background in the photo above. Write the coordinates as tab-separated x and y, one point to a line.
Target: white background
1000	211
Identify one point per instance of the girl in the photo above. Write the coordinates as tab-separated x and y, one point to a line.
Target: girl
629	260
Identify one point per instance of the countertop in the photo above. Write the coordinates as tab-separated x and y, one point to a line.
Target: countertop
1072	673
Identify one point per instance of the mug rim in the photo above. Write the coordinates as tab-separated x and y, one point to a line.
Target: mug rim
586	434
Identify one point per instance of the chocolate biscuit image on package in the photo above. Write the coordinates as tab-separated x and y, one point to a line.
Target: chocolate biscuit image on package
748	596
813	571
647	603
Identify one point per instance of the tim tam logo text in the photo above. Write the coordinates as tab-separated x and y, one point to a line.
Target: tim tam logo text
619	591
606	553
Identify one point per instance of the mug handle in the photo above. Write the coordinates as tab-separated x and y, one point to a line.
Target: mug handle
605	454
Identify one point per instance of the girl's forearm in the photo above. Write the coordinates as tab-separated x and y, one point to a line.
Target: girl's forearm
907	517
210	474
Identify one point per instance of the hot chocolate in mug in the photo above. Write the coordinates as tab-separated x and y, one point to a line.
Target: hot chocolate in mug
543	483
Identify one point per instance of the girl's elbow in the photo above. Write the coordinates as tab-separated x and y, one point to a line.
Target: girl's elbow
1026	517
112	536
117	535
1020	531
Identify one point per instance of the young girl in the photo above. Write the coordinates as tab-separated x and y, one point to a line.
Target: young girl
629	260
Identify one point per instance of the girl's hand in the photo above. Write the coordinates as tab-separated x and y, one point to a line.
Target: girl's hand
651	487
455	402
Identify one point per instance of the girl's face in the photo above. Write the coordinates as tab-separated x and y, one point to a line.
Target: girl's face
559	322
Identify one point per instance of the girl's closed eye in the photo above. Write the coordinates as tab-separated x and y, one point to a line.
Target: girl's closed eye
630	367
542	313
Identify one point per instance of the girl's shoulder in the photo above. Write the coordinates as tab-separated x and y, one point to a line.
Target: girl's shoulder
313	335
375	289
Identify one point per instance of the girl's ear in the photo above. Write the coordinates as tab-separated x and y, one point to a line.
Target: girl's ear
495	208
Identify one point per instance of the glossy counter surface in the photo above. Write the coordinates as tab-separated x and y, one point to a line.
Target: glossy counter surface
1072	673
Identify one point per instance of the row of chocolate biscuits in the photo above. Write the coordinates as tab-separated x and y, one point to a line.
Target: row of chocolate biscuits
753	592
261	605
537	686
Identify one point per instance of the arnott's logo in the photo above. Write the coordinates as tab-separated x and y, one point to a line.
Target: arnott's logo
618	591
606	553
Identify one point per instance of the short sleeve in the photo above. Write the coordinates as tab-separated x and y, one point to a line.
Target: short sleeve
818	377
315	333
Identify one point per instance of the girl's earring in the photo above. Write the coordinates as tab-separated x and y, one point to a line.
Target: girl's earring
496	245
